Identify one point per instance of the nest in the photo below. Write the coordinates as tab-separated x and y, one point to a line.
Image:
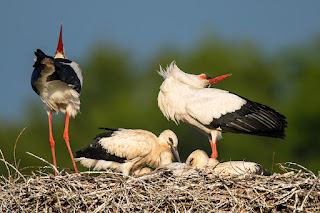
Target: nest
298	189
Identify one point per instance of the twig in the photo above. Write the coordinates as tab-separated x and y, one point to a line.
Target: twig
96	191
298	165
234	198
15	146
8	164
295	203
53	167
5	163
274	153
306	197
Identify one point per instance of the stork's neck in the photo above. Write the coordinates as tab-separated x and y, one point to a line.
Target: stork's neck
59	55
170	98
154	159
189	79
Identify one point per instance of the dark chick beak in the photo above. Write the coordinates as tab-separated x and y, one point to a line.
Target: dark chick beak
175	152
219	78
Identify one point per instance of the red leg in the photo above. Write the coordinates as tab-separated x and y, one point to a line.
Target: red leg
52	142
214	149
66	138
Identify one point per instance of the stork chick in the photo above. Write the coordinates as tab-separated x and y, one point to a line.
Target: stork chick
200	159
128	150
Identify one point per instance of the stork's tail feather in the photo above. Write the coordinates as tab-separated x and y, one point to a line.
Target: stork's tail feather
272	123
39	57
40	54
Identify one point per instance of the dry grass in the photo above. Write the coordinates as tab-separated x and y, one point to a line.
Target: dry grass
296	190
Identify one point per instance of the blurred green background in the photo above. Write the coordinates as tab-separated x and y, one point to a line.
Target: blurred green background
121	92
272	48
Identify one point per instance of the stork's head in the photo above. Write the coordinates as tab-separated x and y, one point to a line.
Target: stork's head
209	81
196	81
60	49
200	159
169	138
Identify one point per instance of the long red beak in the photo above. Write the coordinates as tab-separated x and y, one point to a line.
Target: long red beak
60	44
219	78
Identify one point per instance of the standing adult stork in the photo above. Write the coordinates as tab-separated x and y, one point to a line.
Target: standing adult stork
188	98
58	82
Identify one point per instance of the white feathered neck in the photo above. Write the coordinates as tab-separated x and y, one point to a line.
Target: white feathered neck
173	72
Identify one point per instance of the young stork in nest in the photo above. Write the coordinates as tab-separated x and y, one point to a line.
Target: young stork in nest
58	82
129	150
186	97
200	159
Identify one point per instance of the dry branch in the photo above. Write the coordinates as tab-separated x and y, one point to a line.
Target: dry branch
160	191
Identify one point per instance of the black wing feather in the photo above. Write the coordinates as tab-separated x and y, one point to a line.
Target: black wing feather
252	118
97	152
66	73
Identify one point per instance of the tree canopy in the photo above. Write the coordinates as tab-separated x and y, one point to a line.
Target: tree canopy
120	92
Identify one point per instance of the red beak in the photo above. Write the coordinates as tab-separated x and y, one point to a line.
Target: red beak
219	78
60	44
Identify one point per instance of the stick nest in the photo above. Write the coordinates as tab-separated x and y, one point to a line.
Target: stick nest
296	190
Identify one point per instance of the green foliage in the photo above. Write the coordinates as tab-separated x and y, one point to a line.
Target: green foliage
118	92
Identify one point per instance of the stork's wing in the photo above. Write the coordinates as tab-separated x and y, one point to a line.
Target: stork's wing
68	72
97	152
208	104
39	66
231	113
128	144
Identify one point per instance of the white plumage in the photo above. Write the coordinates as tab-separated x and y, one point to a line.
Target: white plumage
200	159
184	94
59	96
128	150
188	98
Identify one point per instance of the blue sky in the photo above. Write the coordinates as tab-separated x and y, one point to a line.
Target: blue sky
140	26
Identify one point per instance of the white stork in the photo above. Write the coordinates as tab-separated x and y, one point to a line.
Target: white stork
200	159
58	82
188	98
129	150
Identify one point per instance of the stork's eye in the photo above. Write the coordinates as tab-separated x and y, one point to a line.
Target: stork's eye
170	139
